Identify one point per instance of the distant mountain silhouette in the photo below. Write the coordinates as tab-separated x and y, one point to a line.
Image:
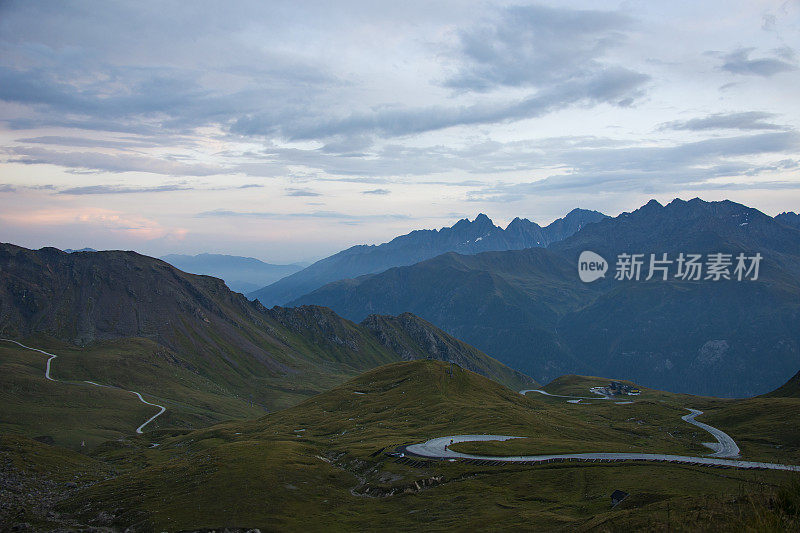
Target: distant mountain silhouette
529	309
241	274
464	237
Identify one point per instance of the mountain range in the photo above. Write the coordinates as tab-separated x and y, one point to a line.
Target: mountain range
345	400
464	237
241	274
530	310
138	323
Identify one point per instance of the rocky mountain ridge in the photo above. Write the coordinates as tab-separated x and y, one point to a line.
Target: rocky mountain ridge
464	237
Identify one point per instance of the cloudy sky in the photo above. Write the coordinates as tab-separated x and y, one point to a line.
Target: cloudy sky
289	130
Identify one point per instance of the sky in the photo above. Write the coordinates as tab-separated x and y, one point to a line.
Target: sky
290	130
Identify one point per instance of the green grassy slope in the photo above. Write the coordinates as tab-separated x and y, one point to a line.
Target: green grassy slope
766	428
790	389
415	338
72	412
318	466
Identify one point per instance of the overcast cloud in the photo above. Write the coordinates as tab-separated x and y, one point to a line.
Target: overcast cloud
261	128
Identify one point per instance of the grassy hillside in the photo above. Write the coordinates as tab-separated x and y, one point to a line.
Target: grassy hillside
185	341
414	338
72	412
320	465
766	428
790	389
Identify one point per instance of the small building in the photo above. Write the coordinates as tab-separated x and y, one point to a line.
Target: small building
617	387
617	496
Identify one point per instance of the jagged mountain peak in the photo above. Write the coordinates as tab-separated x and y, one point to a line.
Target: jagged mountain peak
653	203
789	218
464	237
695	208
580	211
521	223
480	221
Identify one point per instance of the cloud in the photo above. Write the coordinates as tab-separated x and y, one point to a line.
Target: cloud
616	86
121	189
350	145
7	187
301	192
96	161
146	91
749	120
739	62
97	88
82	142
377	191
168	86
396	162
125	189
653	169
333	215
555	53
536	46
131	225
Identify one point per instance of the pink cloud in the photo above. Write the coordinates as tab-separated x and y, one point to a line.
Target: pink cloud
134	226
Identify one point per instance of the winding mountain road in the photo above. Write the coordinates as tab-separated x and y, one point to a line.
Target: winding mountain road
47	375
438	449
545	393
725	449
